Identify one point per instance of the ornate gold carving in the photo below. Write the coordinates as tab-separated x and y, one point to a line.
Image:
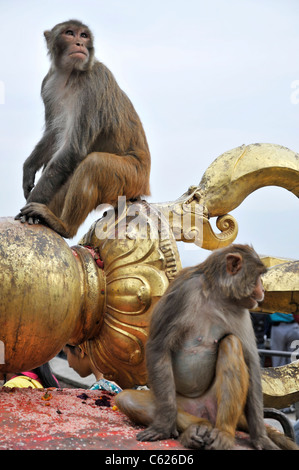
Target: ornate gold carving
189	222
281	384
138	266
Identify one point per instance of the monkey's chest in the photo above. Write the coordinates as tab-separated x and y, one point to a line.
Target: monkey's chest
194	366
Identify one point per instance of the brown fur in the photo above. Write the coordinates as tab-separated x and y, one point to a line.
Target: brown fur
94	148
202	360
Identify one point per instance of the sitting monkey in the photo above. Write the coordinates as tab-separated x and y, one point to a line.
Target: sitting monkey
202	360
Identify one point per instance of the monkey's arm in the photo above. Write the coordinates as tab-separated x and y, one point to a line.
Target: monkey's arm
56	173
164	336
163	387
254	408
52	179
73	149
40	156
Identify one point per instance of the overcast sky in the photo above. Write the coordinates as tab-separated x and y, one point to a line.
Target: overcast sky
204	77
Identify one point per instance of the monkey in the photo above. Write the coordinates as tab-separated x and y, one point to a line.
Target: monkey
93	148
202	360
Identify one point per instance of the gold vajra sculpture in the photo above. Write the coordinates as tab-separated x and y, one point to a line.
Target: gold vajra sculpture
102	291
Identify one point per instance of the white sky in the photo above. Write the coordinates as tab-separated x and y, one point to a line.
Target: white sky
204	77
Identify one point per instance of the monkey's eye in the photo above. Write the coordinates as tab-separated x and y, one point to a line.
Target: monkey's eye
70	32
84	35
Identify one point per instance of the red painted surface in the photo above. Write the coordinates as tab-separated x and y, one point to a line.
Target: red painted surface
71	419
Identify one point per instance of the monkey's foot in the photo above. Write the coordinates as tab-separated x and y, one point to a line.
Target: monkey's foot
30	220
264	443
197	436
31	213
152	434
35	213
220	440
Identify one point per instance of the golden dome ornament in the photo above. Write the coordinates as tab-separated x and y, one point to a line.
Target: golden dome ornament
52	294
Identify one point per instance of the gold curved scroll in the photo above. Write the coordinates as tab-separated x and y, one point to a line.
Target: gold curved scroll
281	385
189	222
225	184
239	172
281	284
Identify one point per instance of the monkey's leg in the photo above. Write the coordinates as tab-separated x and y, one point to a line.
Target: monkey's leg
231	386
57	203
100	178
138	405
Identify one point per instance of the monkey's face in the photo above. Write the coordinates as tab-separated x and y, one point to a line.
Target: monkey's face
256	296
70	46
76	47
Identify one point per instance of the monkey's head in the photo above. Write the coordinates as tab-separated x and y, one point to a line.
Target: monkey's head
235	273
70	46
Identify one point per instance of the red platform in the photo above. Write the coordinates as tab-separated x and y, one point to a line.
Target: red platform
72	419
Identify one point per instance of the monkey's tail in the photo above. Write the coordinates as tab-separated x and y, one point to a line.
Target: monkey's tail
281	440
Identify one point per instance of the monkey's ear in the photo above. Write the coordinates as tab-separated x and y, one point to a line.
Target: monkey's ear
47	35
234	263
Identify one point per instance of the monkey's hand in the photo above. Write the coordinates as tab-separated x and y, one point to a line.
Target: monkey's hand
155	433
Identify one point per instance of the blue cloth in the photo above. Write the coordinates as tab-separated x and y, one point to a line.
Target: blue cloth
106	385
296	428
285	317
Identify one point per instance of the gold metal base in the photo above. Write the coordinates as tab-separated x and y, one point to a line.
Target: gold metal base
51	294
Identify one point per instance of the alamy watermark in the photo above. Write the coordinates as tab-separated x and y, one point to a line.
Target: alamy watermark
295	353
2	353
135	220
295	94
2	92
